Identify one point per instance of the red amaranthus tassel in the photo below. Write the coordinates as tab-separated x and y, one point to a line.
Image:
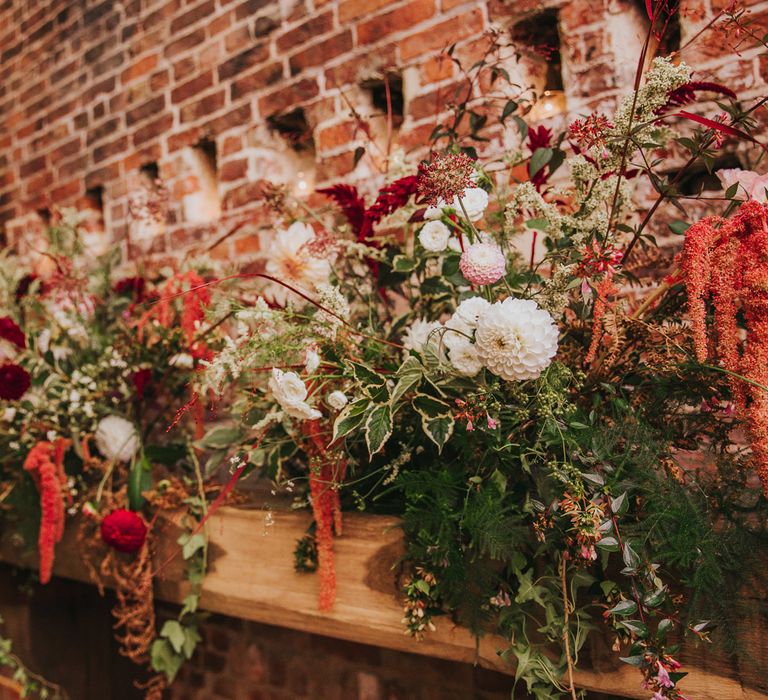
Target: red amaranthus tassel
605	289
726	260
327	468
45	463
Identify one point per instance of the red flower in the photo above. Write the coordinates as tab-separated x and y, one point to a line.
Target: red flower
131	286
10	331
124	530
44	463
14	381
141	378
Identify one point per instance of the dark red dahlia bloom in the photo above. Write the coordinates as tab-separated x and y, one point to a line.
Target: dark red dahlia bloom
10	331
14	381
124	530
131	286
141	379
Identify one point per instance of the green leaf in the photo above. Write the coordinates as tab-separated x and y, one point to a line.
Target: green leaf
164	660
678	227
609	544
370	381
431	407
664	626
221	438
510	107
620	504
637	627
190	604
378	428
190	545
625	607
139	480
191	639
409	375
438	429
636	661
730	193
540	157
402	263
630	556
350	418
537	224
174	633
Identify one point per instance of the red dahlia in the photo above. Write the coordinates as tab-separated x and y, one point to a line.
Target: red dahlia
124	530
14	381
10	331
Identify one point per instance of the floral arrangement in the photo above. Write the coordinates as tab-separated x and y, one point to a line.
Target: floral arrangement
569	440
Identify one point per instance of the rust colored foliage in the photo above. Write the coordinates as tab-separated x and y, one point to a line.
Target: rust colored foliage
45	463
195	298
327	468
726	261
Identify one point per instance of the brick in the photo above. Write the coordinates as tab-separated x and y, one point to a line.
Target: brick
250	7
67	191
352	9
184	138
203	107
196	14
110	149
153	130
247	244
237	39
233	170
289	96
243	61
259	80
232	144
237	117
32	166
337	135
320	53
108	128
192	87
307	31
145	110
436	69
401	19
139	68
441	35
185	43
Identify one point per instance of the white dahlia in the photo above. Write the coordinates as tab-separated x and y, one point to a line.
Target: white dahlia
117	439
291	393
420	333
434	236
470	310
474	199
516	339
464	357
290	259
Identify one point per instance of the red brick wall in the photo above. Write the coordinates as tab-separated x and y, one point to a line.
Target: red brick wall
92	90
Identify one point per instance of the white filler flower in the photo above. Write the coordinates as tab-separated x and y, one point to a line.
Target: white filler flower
434	236
516	339
117	438
291	393
337	399
290	260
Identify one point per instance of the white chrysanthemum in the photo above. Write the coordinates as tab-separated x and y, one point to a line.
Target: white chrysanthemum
470	310
337	399
516	339
117	438
291	393
290	260
434	236
464	357
420	333
474	199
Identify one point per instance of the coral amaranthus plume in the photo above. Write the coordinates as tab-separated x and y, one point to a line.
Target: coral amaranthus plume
45	464
726	260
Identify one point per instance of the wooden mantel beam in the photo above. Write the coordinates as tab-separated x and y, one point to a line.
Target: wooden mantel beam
251	576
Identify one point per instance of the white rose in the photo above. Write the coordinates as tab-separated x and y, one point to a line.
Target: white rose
337	400
291	393
475	201
117	439
434	236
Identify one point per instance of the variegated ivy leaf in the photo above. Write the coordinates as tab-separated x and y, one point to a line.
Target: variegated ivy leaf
378	427
409	375
370	381
436	419
402	263
350	418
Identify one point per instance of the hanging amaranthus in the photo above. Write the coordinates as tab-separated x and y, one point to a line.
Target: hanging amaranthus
726	260
45	465
326	469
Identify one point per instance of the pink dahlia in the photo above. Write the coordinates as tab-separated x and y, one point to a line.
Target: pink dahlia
483	263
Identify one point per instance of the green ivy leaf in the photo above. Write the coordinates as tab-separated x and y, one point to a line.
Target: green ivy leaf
409	375
174	633
190	545
378	428
191	639
350	418
164	660
370	381
403	263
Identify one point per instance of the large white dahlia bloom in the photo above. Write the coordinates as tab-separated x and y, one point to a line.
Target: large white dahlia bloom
516	339
117	438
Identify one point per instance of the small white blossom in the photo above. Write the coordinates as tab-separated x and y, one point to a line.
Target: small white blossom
337	399
291	393
434	236
182	360
117	438
312	361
